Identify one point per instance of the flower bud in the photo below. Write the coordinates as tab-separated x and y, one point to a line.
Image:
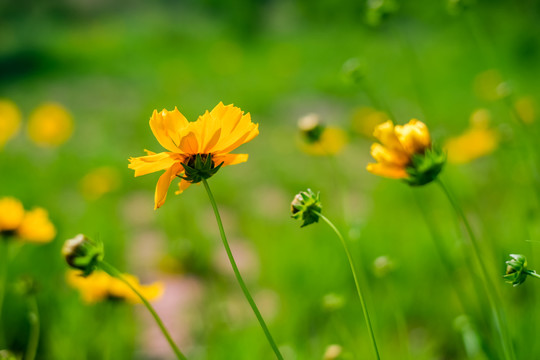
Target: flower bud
516	270
425	167
83	254
199	167
311	127
306	206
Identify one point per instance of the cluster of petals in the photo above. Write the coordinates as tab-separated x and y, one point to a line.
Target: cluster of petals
100	286
215	133
398	144
31	226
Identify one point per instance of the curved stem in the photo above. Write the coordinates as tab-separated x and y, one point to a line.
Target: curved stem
498	314
356	282
237	274
533	273
111	270
33	341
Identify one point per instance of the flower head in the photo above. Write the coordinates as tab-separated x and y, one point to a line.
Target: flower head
405	152
306	206
83	254
479	140
195	149
319	139
10	120
100	286
516	270
36	227
50	125
11	214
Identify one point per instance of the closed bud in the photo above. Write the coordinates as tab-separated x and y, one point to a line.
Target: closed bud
306	206
311	127
83	254
516	270
425	167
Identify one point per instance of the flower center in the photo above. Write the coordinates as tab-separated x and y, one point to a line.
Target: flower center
199	167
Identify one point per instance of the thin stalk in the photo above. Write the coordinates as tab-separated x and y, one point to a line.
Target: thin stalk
533	273
237	273
4	257
33	340
490	288
356	282
111	270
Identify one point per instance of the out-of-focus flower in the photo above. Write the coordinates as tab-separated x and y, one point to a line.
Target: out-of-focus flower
11	214
36	227
197	150
353	70
365	119
306	206
333	302
318	139
50	125
382	266
405	152
526	108
332	352
477	141
10	120
83	254
378	10
489	85
100	286
99	182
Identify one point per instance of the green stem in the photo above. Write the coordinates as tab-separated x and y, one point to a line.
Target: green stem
33	341
111	270
533	273
356	282
237	273
4	259
490	288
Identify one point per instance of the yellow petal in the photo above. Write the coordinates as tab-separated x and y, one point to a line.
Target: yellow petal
182	185
388	157
163	184
386	135
167	127
11	213
36	227
50	125
10	120
189	144
472	144
414	136
151	163
230	159
388	171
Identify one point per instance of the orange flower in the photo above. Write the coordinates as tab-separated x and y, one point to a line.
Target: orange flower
214	135
36	227
398	145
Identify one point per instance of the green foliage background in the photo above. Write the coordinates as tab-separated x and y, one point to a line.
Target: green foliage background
112	64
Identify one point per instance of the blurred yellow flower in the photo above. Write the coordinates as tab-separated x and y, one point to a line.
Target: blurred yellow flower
477	141
100	181
50	125
10	120
100	286
397	146
365	119
318	139
212	137
36	227
526	108
11	214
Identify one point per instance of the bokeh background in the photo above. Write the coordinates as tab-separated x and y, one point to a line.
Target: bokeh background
110	64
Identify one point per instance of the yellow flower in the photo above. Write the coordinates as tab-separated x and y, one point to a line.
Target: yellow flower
99	182
398	145
11	214
318	139
477	141
213	136
10	120
36	227
100	286
50	125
